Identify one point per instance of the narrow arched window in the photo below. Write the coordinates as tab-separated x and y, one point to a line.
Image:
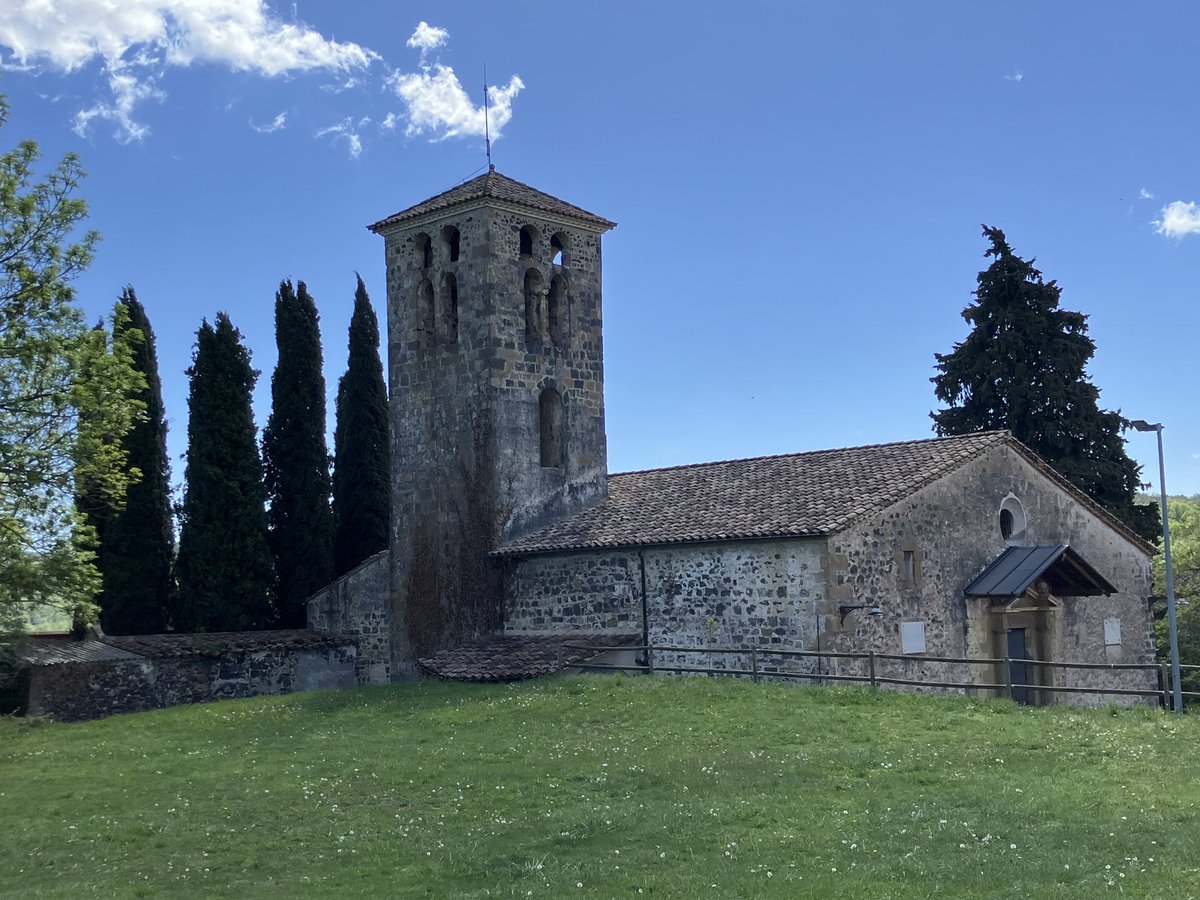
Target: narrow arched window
527	241
425	309
550	421
558	249
450	307
423	247
450	236
1012	518
556	310
533	306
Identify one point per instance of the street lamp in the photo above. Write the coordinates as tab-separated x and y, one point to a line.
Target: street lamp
1143	425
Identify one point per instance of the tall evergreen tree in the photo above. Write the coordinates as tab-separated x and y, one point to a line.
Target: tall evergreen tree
225	571
296	458
137	539
1023	368
361	476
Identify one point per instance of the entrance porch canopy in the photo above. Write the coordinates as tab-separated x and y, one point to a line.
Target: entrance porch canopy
1066	572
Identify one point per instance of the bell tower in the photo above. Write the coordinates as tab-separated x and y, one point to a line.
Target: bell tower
496	385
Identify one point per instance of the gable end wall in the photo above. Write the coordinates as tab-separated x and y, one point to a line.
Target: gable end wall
952	527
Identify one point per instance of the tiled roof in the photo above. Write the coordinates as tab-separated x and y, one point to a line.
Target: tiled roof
804	494
167	646
495	186
511	657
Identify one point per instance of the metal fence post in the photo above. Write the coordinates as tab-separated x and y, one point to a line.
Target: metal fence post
649	659
754	664
1008	676
871	661
1164	684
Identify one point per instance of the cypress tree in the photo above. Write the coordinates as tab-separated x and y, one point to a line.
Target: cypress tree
225	571
1023	368
296	459
361	477
137	541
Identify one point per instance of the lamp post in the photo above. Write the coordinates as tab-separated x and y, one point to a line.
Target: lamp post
1143	425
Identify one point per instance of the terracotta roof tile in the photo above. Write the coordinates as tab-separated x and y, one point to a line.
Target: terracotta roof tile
493	185
510	657
800	495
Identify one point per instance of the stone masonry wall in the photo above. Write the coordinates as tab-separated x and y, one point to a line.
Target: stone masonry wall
358	605
762	594
76	691
952	530
465	421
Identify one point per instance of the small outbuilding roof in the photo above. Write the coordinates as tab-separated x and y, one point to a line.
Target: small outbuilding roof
63	649
494	186
1066	572
172	646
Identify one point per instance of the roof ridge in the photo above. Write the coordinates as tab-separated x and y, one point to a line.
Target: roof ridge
992	436
502	188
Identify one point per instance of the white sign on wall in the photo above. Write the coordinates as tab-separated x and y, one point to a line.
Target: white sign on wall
912	637
1112	631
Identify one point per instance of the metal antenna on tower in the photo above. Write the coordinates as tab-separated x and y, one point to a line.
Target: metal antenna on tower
487	129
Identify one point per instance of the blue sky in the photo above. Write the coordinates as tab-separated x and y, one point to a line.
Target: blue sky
799	187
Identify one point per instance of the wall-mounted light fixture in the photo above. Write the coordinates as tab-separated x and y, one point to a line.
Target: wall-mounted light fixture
872	609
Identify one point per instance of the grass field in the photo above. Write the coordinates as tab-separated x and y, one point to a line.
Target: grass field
603	787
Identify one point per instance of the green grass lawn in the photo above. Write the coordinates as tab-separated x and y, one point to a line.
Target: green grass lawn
603	787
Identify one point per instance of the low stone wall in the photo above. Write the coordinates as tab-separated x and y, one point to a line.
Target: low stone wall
358	605
74	691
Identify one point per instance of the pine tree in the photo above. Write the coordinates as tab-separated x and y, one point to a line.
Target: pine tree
1023	368
225	571
137	540
296	459
361	477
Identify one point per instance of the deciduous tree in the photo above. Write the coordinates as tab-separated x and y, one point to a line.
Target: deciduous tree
66	393
1184	515
1023	368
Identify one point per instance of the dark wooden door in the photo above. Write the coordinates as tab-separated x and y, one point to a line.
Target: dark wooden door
1018	670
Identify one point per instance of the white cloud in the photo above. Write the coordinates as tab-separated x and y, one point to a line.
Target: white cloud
1015	76
1178	219
134	40
437	103
127	92
344	130
427	37
389	122
1145	194
241	34
280	121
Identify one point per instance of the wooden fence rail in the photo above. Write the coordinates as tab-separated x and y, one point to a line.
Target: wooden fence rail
756	672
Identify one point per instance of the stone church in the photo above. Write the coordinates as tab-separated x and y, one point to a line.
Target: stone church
509	532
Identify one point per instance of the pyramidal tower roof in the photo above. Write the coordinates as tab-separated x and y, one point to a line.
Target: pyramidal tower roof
494	186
